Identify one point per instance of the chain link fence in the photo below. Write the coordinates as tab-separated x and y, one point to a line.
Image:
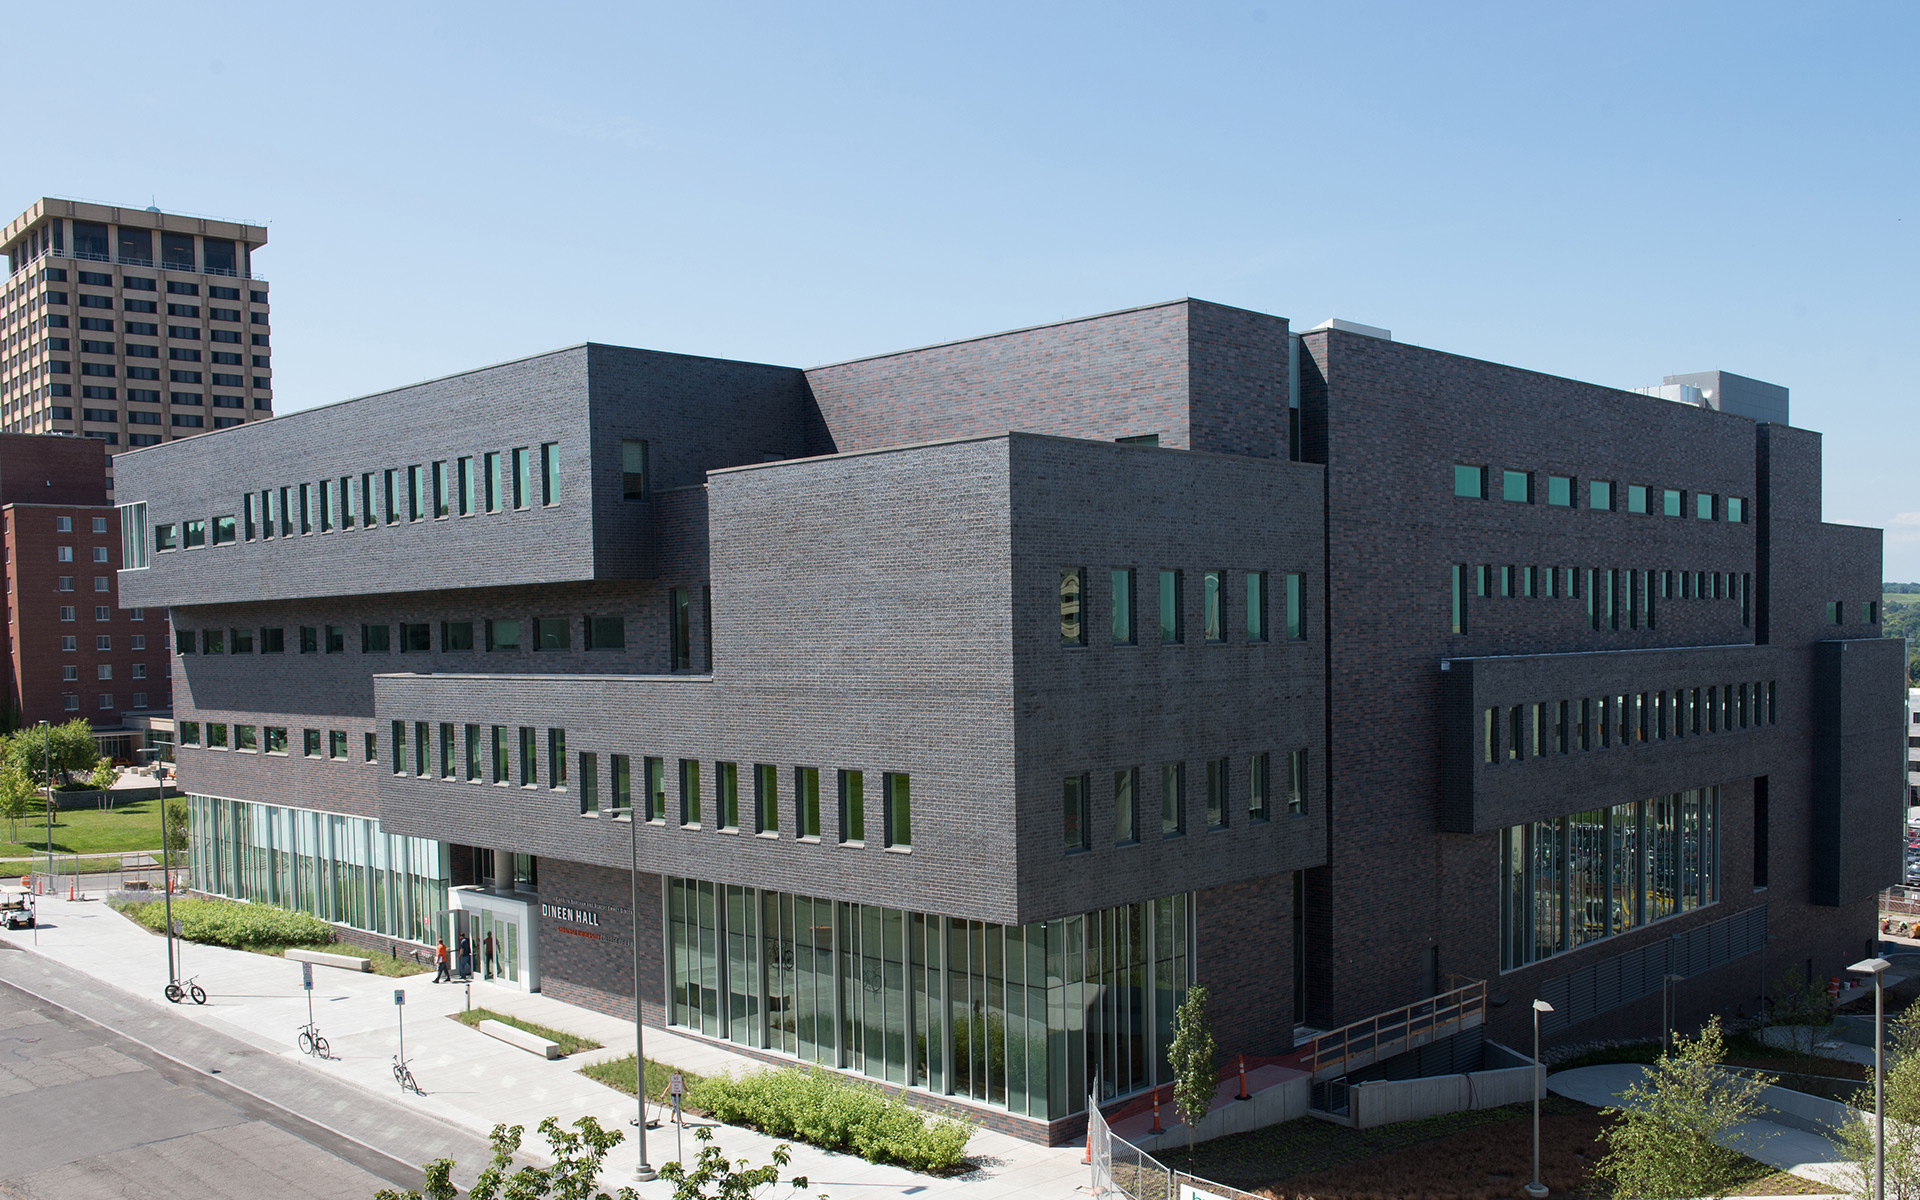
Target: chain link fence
1123	1171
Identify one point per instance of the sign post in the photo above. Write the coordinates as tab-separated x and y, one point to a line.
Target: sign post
306	983
400	1019
677	1087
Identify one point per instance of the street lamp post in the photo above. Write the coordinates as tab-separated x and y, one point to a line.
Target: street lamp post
1873	967
46	759
1536	1189
643	1171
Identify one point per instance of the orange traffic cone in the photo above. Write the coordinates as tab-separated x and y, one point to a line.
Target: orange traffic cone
1156	1112
1088	1160
1243	1078
71	884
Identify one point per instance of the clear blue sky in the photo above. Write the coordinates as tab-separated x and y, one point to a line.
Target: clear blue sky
1613	192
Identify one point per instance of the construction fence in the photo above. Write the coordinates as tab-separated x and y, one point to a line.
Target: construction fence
1123	1171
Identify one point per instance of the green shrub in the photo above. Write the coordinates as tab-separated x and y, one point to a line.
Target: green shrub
835	1114
228	923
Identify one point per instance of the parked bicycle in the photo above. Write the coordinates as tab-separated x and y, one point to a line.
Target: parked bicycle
311	1042
404	1077
176	991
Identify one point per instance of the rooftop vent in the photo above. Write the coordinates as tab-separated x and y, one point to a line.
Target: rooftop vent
1723	391
1372	331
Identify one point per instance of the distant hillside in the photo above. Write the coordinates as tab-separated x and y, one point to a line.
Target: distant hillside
1900	617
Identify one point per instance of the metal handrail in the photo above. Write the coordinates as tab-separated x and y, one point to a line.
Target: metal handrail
1339	1046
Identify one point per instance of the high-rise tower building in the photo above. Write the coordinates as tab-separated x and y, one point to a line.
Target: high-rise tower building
131	326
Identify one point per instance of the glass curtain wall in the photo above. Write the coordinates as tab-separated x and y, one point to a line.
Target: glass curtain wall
1575	879
1031	1018
337	868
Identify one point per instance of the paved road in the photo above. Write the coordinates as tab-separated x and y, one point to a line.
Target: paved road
86	1113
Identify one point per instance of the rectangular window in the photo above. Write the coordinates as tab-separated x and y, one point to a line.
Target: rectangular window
1257	784
1297	608
1126	806
1297	782
552	633
212	641
589	784
276	739
1600	495
1560	491
366	500
1560	728
1516	486
606	633
1170	630
1213	605
490	479
373	747
1216	793
1123	630
853	807
1470	482
163	537
193	533
680	631
522	477
622	768
416	494
325	504
1490	735
346	502
766	798
1256	606
449	752
1671	501
336	639
503	633
556	758
899	812
1636	498
476	753
1736	511
422	749
1073	588
502	754
633	470
726	794
550	473
1704	506
1173	801
374	639
1073	814
240	640
399	745
438	483
456	635
689	791
337	743
390	496
217	736
463	484
189	733
1516	732
1459	597
529	756
806	801
248	525
1506	582
416	638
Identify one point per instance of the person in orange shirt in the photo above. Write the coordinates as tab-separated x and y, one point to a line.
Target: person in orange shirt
441	974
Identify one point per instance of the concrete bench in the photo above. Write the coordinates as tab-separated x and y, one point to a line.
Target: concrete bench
532	1043
346	962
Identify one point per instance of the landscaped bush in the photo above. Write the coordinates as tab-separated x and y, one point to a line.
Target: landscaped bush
834	1114
226	923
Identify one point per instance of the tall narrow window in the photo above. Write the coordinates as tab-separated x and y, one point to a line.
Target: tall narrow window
490	479
463	484
1490	735
476	753
346	502
680	633
766	798
1297	781
502	754
556	758
326	506
589	783
1073	588
1173	800
706	627
306	508
442	505
1216	793
448	755
633	470
853	807
726	794
529	756
1123	632
422	749
655	770
522	477
247	503
1297	608
550	473
390	496
366	500
399	743
1516	732
416	493
1126	806
621	768
1560	728
1170	631
286	511
1073	814
899	812
1213	605
1256	606
689	791
1459	597
266	515
1258	805
806	802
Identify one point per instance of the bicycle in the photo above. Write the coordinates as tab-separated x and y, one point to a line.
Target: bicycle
176	991
311	1042
404	1077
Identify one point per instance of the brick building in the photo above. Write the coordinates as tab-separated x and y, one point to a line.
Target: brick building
962	706
72	651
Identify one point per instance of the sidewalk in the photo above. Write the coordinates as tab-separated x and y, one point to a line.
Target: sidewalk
472	1081
1796	1151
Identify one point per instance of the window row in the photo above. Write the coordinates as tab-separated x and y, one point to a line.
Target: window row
270	739
1616	598
1474	482
104	612
1590	875
65	553
65	525
70	702
1526	731
429	491
103	641
1869	611
501	634
64	583
1077	820
1216	602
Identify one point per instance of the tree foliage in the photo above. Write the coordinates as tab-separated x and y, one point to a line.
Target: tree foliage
727	1180
66	748
1803	1006
1665	1140
1902	1098
173	824
17	794
1191	1056
577	1155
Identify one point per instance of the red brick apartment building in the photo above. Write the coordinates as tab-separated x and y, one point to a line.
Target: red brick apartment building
71	650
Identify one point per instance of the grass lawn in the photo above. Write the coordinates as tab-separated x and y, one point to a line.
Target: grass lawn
130	825
570	1043
1483	1155
618	1074
383	964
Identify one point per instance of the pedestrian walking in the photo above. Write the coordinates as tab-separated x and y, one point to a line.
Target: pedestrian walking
465	965
441	971
486	955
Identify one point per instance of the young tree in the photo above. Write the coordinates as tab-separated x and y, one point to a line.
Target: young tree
65	748
173	821
17	795
1665	1139
1902	1098
1803	1006
1191	1056
103	776
730	1180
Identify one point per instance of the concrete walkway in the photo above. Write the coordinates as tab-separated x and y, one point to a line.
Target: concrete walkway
471	1081
1807	1155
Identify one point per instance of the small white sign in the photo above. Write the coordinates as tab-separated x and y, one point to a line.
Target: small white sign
306	975
676	1086
399	998
1190	1192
